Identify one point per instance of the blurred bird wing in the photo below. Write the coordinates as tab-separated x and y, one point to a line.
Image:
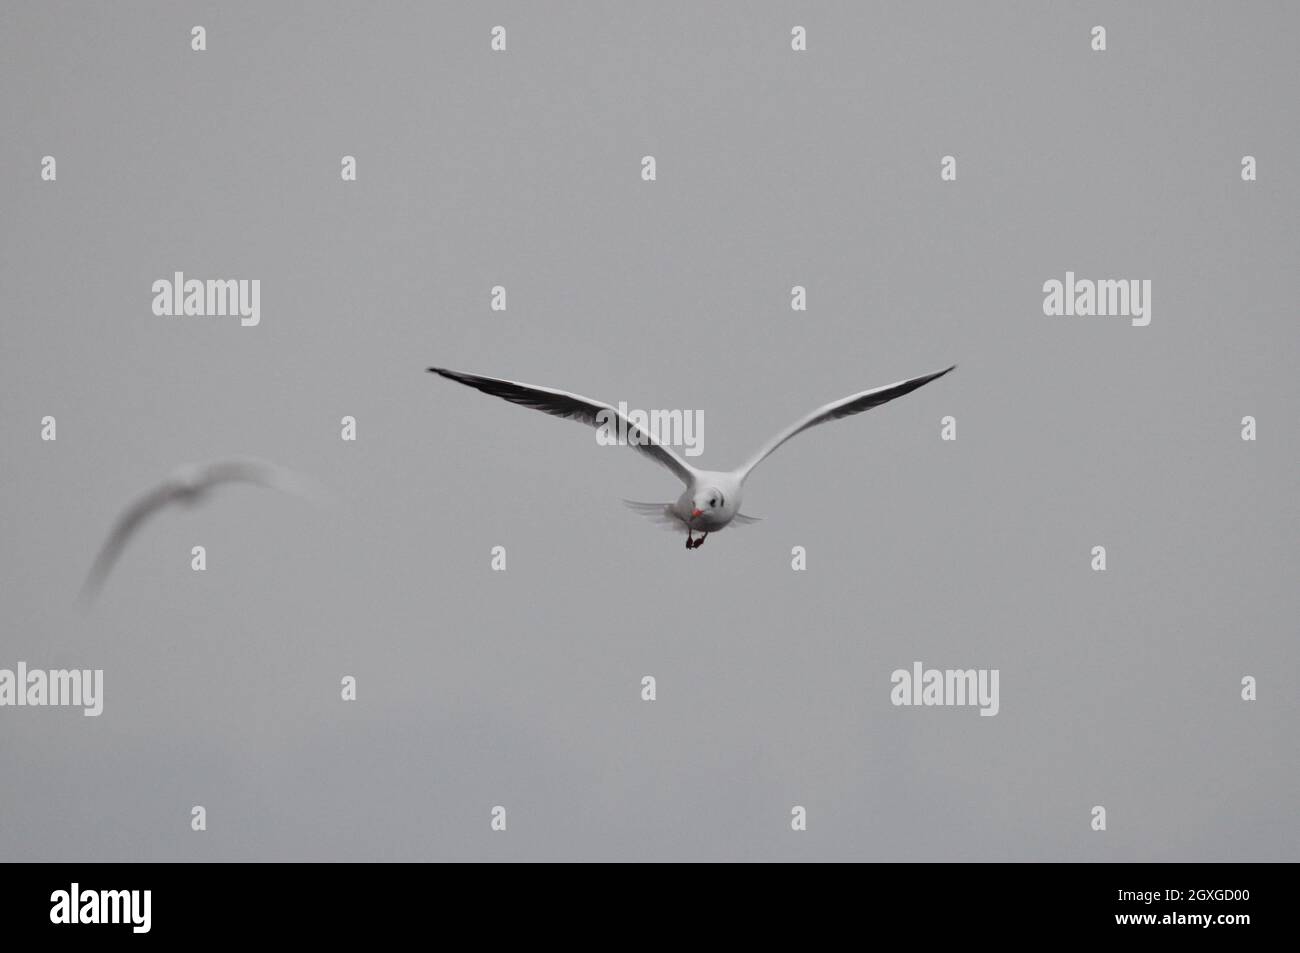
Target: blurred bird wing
125	527
260	473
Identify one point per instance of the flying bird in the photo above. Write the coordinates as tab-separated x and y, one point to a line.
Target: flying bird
711	499
188	485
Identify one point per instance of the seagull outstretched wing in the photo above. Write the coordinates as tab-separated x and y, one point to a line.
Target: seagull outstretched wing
560	403
845	407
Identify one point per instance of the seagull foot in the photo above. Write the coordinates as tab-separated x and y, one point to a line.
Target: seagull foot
700	542
690	543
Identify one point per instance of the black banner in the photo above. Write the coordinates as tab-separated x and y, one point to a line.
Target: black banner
143	902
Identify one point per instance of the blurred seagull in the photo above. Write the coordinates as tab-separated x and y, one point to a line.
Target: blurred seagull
188	485
712	497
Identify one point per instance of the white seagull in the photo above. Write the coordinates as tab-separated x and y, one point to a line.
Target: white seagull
712	497
188	485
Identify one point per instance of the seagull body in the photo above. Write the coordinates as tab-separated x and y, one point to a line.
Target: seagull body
187	485
711	500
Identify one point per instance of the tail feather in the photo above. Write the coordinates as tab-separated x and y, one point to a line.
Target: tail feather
661	513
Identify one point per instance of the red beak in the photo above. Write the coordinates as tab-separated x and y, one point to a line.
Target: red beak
695	513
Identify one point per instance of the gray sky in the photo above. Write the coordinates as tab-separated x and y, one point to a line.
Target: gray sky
521	688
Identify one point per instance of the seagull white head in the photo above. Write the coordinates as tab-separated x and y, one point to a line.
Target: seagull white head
707	502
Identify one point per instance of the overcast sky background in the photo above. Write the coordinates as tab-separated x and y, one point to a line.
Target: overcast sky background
522	688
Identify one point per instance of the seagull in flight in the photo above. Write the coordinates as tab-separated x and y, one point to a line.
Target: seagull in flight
711	499
187	485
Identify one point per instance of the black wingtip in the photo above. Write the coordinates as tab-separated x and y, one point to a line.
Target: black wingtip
938	374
